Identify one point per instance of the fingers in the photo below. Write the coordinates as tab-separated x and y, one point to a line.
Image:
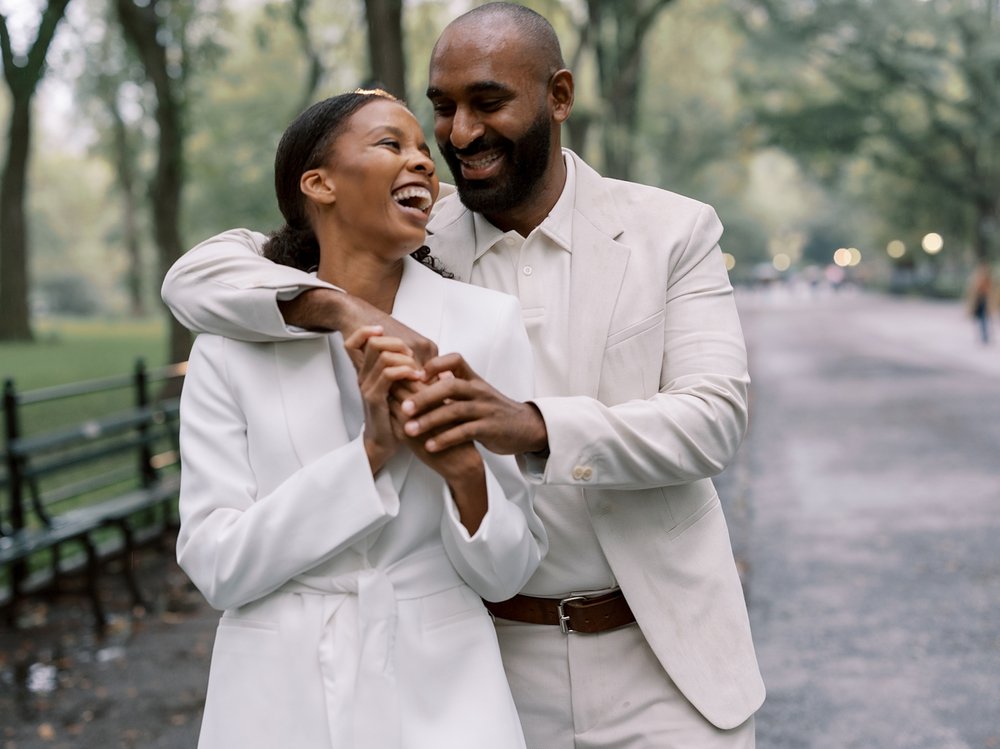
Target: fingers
361	336
421	348
388	369
451	363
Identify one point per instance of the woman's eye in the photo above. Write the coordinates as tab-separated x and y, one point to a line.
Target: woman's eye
389	142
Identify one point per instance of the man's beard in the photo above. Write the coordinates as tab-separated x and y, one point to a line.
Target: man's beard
525	161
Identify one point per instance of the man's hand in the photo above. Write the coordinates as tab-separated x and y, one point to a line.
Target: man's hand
458	406
328	309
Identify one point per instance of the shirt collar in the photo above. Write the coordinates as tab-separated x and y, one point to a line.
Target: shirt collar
557	226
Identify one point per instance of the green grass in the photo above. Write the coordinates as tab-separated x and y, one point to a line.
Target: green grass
69	350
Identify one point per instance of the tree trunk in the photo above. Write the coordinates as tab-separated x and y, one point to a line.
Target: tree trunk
385	45
22	81
141	26
15	319
315	62
619	30
130	227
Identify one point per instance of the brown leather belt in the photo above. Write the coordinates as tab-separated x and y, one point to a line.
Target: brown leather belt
575	613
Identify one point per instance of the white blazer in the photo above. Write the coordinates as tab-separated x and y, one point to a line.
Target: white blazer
655	403
352	603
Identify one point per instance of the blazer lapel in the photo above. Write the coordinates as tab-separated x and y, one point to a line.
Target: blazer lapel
310	394
419	305
598	268
457	252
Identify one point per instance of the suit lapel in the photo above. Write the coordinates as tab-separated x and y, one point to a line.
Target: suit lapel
598	268
311	397
419	305
456	247
318	383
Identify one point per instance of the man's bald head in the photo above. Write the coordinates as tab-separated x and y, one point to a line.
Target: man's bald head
496	23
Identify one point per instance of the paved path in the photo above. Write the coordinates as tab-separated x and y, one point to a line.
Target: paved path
865	506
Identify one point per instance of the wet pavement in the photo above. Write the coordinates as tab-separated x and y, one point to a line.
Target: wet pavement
866	512
141	686
864	509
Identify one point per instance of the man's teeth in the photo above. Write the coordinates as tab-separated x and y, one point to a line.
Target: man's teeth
413	197
481	163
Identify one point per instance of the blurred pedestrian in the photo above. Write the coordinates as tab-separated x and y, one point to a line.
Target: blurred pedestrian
980	298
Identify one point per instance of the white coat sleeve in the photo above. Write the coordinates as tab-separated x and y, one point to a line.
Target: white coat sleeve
225	286
510	542
235	545
692	427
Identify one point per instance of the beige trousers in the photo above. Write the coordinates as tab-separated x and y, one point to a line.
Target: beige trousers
602	691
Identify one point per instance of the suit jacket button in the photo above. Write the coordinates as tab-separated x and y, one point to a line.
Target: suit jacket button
588	473
578	472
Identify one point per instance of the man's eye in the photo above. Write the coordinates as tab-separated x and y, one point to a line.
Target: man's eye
490	105
444	109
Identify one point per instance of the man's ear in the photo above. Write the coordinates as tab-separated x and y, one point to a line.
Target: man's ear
317	185
561	91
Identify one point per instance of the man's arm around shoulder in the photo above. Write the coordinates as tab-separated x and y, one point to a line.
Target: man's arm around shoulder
226	286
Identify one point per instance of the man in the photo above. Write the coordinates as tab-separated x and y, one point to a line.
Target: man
633	632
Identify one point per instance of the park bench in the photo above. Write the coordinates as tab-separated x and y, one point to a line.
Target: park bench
75	495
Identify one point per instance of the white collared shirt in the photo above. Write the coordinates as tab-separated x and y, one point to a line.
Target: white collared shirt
536	269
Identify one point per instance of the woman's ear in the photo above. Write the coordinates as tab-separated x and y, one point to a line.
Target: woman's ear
317	185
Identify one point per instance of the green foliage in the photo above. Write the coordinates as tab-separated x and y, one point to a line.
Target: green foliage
906	86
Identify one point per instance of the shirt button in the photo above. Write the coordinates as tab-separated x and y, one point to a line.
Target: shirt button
528	270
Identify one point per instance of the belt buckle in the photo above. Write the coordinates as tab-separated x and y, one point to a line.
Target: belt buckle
563	616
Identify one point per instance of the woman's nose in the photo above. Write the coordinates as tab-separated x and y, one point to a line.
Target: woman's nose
421	162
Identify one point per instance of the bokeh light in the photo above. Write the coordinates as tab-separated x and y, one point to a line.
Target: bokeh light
781	262
895	249
932	243
842	257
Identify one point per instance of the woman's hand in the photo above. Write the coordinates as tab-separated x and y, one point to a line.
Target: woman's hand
382	361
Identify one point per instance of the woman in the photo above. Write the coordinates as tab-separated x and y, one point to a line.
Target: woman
350	563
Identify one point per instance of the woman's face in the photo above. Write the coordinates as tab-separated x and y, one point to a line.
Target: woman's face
384	178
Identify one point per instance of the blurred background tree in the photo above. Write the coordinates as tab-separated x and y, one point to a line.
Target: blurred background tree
809	126
23	67
905	90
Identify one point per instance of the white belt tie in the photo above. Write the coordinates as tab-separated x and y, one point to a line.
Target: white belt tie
356	653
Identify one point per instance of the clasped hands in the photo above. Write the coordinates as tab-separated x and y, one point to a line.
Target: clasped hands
437	409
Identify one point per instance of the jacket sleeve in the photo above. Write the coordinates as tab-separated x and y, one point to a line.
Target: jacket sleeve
225	286
235	545
692	427
509	544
